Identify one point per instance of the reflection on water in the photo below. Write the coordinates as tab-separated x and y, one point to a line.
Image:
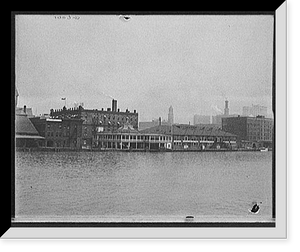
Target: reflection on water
159	186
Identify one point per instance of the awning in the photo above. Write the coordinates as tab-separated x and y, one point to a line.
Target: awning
29	137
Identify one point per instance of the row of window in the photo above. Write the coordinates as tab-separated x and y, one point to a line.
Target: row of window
162	138
180	143
199	138
260	134
134	137
258	126
260	138
104	118
57	134
54	126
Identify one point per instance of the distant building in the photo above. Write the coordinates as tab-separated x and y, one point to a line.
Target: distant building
210	125
95	120
171	116
246	111
252	132
201	119
153	123
255	110
217	119
226	109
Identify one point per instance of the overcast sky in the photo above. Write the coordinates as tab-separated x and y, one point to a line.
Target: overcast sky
192	62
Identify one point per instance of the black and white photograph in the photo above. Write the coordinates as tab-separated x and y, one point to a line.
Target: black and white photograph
145	120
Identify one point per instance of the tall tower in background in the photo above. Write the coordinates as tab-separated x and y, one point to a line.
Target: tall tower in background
226	109
170	116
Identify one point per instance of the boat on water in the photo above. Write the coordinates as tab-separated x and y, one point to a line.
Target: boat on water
255	209
250	211
264	149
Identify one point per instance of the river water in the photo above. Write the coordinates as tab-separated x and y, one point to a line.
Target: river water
140	186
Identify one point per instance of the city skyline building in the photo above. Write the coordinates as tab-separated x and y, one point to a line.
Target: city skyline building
226	109
152	123
171	116
202	119
255	110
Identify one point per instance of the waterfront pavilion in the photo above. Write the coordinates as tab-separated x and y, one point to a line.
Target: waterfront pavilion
190	137
128	138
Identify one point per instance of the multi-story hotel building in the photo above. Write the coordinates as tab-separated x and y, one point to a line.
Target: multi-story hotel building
96	121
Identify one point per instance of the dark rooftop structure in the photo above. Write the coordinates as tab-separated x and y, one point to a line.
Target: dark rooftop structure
184	129
25	133
24	127
190	137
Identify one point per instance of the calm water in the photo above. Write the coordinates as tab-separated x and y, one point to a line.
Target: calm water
142	186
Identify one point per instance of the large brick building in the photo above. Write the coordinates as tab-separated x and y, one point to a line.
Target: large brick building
251	131
95	121
59	133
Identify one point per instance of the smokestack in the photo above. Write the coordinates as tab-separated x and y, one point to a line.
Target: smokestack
159	121
114	105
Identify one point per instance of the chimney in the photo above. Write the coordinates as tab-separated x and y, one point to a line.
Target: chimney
159	121
114	105
24	109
